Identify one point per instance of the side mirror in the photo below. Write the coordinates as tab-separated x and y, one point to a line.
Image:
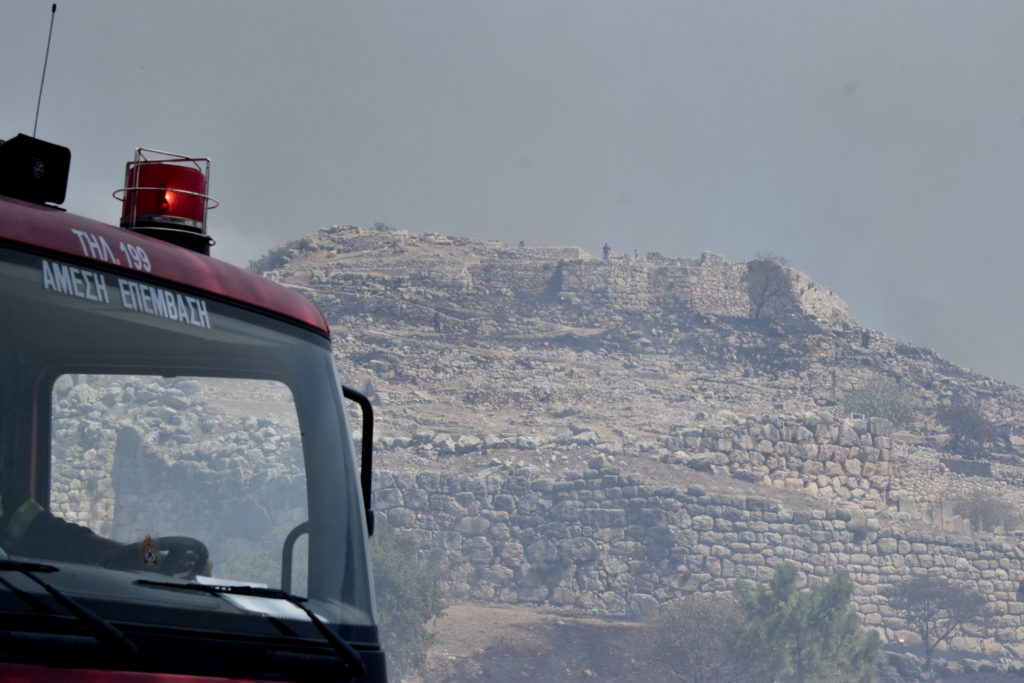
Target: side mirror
366	466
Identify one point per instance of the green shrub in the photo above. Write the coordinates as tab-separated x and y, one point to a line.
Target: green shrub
269	261
969	429
409	598
882	397
277	257
986	510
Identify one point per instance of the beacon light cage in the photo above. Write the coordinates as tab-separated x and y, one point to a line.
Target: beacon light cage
166	196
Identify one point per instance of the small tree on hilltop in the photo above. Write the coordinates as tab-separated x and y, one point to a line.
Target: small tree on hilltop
969	429
768	285
935	608
802	635
882	397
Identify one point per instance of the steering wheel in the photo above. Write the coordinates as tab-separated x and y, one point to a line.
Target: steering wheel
186	557
179	556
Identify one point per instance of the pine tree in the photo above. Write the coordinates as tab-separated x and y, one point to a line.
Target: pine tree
802	635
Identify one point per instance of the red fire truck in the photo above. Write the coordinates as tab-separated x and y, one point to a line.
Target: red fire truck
181	496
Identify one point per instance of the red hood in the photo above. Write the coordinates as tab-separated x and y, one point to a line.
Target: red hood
55	230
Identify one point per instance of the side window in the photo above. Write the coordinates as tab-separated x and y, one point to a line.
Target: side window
216	459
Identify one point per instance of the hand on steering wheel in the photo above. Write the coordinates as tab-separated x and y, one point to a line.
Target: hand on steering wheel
179	556
186	557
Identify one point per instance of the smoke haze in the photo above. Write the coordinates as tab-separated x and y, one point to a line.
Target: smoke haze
877	146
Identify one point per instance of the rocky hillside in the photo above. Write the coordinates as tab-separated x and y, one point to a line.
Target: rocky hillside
482	343
572	430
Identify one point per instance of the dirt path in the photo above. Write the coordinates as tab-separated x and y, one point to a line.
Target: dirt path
488	643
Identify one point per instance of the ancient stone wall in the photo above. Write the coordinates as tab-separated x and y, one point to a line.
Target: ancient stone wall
512	277
554	253
718	287
459	266
828	309
601	541
712	285
816	452
595	539
616	283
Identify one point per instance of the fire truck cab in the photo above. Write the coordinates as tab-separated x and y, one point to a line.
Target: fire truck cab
180	492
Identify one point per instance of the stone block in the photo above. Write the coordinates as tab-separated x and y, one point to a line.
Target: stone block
579	549
512	553
542	551
566	511
387	498
870	454
887	546
834	469
401	518
853	467
543	486
642	605
848	435
477	551
879	426
702	522
504	502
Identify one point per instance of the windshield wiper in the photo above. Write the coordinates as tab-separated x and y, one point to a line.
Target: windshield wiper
101	628
346	652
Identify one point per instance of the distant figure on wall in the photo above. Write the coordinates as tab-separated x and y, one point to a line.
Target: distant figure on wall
607	251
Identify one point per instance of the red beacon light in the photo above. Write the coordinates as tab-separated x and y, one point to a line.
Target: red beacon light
165	196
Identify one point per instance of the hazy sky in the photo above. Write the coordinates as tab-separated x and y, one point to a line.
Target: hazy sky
878	146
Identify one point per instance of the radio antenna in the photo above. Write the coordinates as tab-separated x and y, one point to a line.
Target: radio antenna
53	13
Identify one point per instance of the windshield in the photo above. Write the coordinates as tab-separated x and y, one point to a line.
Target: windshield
151	432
